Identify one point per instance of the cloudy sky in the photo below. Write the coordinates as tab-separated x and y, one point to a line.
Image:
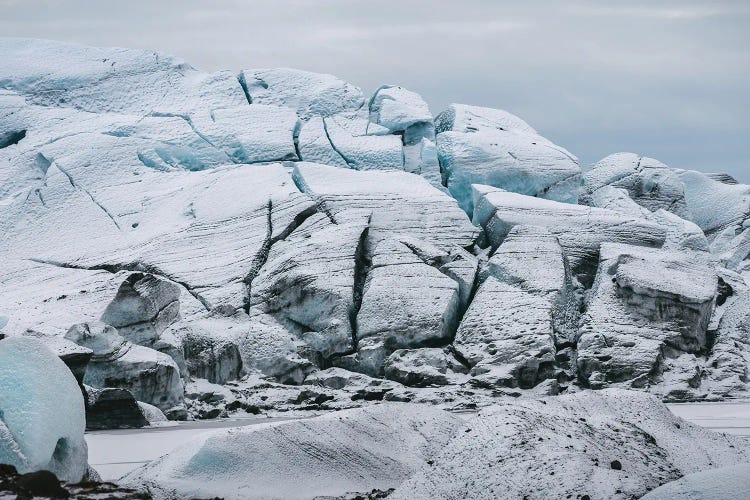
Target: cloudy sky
667	79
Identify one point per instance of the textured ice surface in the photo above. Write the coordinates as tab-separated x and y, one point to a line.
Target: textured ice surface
42	416
525	306
609	444
715	205
648	182
111	79
580	229
486	146
647	306
393	202
349	451
309	94
403	112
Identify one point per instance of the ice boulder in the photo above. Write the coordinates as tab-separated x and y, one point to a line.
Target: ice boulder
251	134
488	146
648	182
42	415
342	140
423	367
681	234
715	205
402	112
580	229
328	456
145	305
422	303
605	444
149	375
265	345
112	408
309	94
209	352
647	306
307	280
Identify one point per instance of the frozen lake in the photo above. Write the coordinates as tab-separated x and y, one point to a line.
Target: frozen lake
114	453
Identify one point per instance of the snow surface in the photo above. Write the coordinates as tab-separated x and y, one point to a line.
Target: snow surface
726	483
606	444
349	451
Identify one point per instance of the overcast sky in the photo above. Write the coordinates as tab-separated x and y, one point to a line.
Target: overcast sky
667	79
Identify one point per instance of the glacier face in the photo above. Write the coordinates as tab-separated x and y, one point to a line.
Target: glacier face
245	233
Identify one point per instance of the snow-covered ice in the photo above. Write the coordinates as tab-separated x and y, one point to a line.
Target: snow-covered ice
350	451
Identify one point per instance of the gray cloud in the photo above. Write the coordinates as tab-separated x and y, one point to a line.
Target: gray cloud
667	79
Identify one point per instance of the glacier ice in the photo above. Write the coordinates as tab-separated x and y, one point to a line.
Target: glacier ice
271	227
648	182
486	146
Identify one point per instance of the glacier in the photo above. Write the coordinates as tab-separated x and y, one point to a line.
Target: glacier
198	245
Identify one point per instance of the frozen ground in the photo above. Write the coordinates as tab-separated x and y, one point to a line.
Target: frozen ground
115	453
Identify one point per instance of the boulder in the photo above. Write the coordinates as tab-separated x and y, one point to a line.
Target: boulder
267	346
507	336
422	367
149	375
144	306
524	310
407	302
210	353
112	408
307	280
